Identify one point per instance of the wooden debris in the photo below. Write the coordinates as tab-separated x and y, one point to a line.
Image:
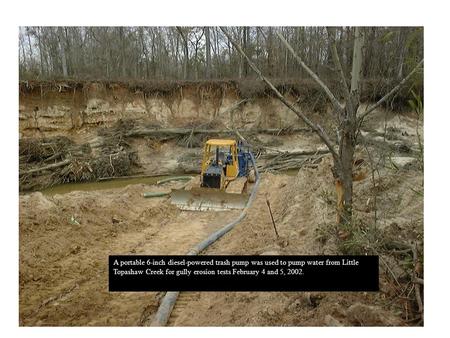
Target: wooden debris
271	217
140	131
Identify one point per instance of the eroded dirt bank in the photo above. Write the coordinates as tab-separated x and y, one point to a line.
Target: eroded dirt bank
65	239
79	132
72	132
49	109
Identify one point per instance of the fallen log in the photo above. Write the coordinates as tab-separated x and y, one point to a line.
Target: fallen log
287	154
187	131
50	166
291	160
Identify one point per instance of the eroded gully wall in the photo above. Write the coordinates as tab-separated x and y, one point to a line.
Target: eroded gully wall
62	110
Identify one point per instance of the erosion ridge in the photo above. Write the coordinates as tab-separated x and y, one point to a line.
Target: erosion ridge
55	107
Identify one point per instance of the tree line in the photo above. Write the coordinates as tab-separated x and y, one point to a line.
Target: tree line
196	53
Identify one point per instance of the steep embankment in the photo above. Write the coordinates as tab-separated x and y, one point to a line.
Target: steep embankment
83	131
63	108
75	131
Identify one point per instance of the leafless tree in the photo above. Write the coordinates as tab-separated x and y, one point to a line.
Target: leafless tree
348	122
208	53
176	52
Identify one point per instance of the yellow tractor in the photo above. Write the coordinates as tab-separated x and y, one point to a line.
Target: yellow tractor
227	167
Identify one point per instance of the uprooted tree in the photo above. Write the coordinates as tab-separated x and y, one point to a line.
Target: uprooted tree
348	121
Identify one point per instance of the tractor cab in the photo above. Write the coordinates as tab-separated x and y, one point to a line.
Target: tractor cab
226	168
220	163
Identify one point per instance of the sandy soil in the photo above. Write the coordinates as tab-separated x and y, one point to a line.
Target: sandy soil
65	241
300	212
63	265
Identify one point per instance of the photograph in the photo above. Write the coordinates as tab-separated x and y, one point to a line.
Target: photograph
220	176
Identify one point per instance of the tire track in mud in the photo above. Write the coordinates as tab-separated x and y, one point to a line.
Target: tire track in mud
184	300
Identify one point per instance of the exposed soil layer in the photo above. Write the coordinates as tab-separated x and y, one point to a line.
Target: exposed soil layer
83	131
65	239
68	105
76	132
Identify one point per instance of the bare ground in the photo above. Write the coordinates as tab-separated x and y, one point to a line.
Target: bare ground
65	241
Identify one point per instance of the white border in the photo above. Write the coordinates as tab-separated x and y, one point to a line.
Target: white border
432	14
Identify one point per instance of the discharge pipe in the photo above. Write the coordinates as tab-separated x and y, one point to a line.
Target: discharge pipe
168	302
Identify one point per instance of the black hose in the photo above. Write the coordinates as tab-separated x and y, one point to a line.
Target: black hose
168	302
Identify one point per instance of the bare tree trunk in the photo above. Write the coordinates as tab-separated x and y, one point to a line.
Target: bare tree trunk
29	46
153	54
122	52
24	57
402	46
246	38
63	51
348	121
41	52
270	52
186	53
208	53
145	51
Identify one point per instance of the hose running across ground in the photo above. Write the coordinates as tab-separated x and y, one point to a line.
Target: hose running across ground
168	302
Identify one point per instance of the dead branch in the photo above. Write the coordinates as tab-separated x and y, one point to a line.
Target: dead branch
393	91
51	166
337	62
293	160
233	107
238	134
415	277
334	101
110	178
188	131
297	153
271	217
311	124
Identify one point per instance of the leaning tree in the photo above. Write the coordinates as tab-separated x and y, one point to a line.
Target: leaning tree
348	121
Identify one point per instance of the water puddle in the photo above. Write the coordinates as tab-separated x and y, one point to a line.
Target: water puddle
101	185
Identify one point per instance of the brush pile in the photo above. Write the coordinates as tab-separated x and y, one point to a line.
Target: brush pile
56	160
290	160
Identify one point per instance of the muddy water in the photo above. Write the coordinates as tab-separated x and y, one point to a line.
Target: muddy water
119	183
101	185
